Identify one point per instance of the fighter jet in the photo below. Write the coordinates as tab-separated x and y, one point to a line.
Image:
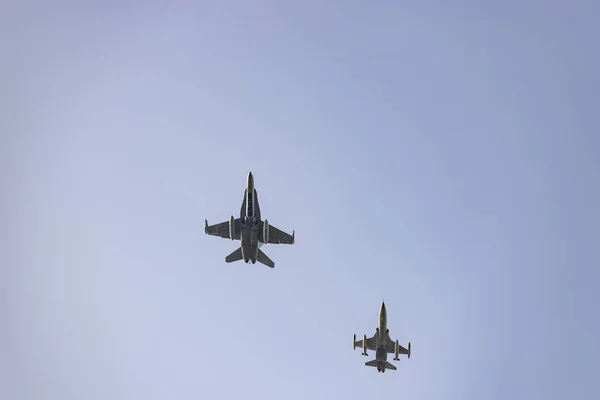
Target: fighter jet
382	344
250	229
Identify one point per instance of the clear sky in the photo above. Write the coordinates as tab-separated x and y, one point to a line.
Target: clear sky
443	157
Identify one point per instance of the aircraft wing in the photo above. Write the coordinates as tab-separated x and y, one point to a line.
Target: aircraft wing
371	343
277	236
391	347
222	229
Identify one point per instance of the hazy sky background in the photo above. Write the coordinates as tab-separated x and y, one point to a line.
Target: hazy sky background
441	155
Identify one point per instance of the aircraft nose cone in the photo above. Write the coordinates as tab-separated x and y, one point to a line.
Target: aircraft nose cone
250	180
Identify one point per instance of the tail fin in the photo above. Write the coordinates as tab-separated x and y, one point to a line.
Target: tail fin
263	259
235	256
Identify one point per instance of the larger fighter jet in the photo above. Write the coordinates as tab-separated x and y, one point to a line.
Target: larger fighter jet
250	229
382	344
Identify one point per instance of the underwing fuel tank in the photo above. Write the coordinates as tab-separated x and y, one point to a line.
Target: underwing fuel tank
266	231
232	228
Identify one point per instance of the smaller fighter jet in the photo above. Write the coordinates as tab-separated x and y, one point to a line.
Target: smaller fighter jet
382	344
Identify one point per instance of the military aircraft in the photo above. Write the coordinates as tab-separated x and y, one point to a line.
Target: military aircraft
382	344
250	229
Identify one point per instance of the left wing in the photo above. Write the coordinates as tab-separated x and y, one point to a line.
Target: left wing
371	343
222	229
276	236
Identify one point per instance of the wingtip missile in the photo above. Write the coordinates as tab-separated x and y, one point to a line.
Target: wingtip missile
206	226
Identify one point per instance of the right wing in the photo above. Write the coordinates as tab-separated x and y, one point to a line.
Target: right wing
277	236
391	347
222	229
371	343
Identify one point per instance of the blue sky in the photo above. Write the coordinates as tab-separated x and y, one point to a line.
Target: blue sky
442	157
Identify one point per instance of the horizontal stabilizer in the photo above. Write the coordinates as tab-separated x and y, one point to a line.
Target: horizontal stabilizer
235	256
263	259
373	363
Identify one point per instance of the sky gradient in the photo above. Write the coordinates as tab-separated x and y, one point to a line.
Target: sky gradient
443	157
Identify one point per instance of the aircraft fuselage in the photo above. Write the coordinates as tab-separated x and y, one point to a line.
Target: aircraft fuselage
382	332
250	222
